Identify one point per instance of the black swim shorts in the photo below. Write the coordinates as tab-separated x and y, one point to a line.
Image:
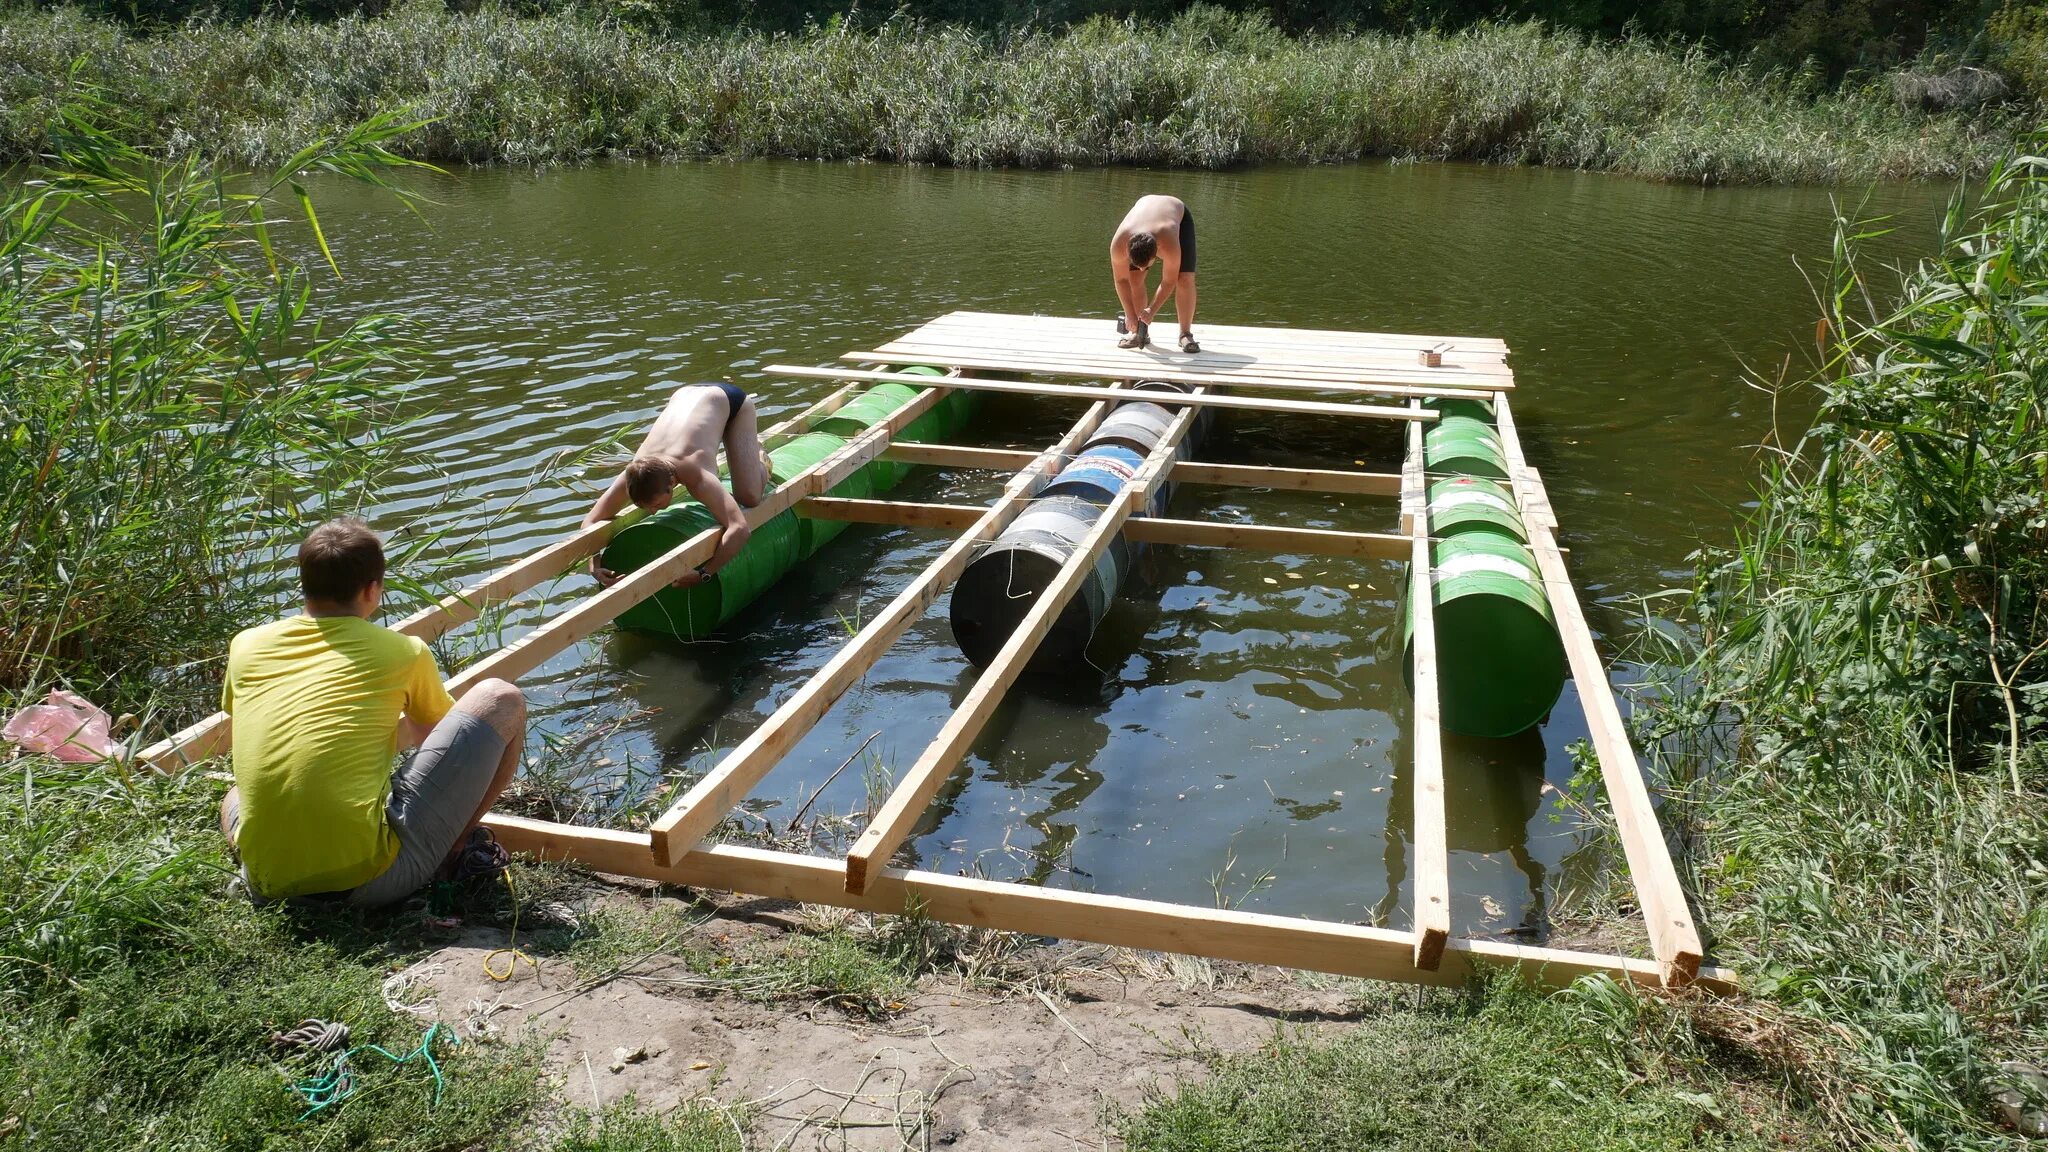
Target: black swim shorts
1187	240
734	396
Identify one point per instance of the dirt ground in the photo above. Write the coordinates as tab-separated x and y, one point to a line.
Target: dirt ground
1025	1061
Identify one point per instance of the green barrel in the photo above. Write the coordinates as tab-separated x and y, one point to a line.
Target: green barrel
1500	664
1458	428
690	613
1470	409
792	459
784	540
1464	504
1460	446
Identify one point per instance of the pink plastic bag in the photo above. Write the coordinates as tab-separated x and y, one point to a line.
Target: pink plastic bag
67	726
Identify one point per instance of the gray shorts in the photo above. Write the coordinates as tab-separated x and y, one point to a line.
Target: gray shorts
434	792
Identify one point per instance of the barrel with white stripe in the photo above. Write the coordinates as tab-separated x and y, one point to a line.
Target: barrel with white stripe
1465	504
1500	664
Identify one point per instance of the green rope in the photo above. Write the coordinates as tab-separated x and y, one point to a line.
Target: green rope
338	1082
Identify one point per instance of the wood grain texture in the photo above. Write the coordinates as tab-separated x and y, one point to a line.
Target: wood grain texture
1673	937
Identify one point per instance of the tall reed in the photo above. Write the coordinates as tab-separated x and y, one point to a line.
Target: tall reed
1209	89
173	406
1862	723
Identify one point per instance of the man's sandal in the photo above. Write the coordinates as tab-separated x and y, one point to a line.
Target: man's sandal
1187	343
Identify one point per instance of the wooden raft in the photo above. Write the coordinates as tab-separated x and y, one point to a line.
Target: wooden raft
1237	365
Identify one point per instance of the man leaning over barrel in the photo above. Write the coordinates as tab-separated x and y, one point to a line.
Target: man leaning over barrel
320	702
681	450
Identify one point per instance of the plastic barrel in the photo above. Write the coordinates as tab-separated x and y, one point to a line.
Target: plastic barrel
1459	450
1464	504
999	588
688	613
1500	664
1469	408
1205	417
1457	428
784	540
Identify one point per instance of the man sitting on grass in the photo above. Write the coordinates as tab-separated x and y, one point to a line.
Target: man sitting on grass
319	704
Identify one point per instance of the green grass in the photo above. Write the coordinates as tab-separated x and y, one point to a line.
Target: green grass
1209	89
624	1127
1501	1068
1858	732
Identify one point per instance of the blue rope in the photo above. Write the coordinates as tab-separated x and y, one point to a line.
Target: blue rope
338	1082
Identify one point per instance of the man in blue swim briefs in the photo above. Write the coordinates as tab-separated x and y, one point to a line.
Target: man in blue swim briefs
682	449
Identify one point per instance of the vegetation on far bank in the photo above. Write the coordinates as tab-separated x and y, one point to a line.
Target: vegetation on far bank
1209	88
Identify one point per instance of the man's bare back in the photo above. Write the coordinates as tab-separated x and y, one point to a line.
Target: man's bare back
681	450
1157	229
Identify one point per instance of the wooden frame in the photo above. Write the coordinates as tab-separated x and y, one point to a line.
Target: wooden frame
674	849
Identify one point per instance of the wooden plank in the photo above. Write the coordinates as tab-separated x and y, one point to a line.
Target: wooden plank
1410	341
1432	853
914	791
1101	336
1673	937
1289	479
1143	529
538	646
959	456
1413	380
213	737
1117	921
1070	392
1268	538
1184	471
711	798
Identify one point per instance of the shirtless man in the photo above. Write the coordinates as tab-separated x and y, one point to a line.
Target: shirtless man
682	449
1157	228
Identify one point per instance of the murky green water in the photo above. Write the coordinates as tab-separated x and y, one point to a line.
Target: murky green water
1242	736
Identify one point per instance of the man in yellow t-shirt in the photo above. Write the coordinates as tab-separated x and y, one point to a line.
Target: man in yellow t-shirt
319	703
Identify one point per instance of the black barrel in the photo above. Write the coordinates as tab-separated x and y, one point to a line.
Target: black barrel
1000	585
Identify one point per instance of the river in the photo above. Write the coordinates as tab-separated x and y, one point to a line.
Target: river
1241	739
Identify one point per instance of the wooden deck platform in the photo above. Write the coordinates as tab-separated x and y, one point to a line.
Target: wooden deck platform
990	351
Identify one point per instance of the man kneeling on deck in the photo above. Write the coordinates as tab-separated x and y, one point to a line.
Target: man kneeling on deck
682	448
319	703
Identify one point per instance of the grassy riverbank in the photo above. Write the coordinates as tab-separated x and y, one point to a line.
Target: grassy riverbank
1209	89
1863	718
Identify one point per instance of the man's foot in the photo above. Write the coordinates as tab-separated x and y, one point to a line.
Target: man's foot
1187	343
1133	340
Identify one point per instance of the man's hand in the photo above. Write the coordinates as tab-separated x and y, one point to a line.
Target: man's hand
690	579
604	576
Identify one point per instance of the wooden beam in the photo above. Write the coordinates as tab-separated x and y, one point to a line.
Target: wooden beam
1406	382
711	798
213	736
1071	392
1288	479
1117	921
914	791
1409	342
1184	471
1142	529
538	646
959	456
1673	937
1432	853
1268	538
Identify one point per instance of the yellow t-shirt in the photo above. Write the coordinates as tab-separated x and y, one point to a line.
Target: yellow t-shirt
316	703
